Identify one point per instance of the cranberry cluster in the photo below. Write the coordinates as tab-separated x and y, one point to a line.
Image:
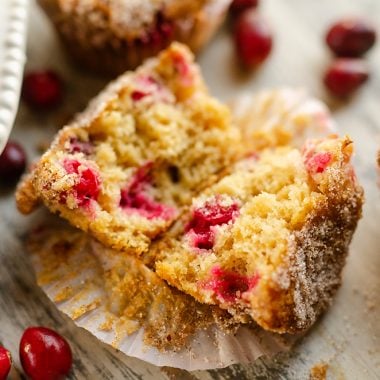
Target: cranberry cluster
44	355
349	40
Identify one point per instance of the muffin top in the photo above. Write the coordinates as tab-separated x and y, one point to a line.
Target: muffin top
131	16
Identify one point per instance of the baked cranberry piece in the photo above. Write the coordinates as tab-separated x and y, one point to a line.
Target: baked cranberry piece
351	37
144	205
166	29
12	163
78	146
135	197
253	39
44	354
146	86
318	162
183	69
5	363
239	6
137	95
228	286
346	75
42	89
212	213
88	186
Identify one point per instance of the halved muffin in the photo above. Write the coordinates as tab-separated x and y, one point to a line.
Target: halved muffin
269	241
144	147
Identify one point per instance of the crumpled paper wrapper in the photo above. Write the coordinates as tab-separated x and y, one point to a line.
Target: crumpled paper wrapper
280	116
123	302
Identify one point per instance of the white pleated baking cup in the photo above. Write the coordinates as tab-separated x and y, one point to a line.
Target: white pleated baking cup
77	288
300	115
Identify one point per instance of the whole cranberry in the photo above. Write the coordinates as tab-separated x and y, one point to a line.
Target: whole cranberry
5	363
351	37
253	39
12	163
239	6
44	354
346	75
42	89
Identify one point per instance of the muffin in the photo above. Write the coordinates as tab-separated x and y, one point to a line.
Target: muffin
269	241
125	167
111	36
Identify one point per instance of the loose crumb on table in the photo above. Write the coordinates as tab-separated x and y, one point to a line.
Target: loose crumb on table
319	371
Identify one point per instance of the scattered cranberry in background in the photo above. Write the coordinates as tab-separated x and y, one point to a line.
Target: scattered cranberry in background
346	75
351	37
5	363
253	39
239	6
12	163
42	89
44	354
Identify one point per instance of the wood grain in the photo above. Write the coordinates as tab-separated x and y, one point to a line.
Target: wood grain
348	337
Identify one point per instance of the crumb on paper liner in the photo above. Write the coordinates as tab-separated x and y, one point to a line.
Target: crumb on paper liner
124	304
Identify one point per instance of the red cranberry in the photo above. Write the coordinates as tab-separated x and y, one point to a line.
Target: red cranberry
164	29
346	75
42	89
138	95
134	197
211	214
44	354
12	163
5	363
351	37
317	163
88	187
239	6
228	286
253	39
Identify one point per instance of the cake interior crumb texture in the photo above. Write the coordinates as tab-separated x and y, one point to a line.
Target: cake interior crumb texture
269	241
125	168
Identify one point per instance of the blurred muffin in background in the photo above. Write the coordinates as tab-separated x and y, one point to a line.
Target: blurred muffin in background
111	36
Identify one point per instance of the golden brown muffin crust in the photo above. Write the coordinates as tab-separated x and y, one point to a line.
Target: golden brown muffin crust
126	19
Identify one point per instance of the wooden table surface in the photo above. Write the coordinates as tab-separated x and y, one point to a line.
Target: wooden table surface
348	336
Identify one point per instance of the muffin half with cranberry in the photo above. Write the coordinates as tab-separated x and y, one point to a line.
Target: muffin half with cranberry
143	148
269	241
111	36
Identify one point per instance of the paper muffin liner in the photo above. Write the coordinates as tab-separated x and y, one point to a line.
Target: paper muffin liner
280	116
124	304
106	53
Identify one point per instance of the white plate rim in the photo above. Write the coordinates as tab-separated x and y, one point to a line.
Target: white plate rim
12	64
